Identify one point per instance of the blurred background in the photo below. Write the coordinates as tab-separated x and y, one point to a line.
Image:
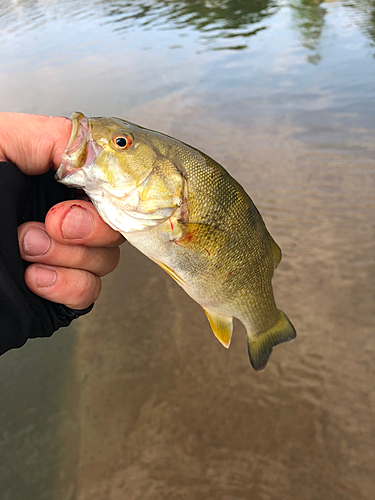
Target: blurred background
138	400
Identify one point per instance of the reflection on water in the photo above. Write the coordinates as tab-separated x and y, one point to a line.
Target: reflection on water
228	20
138	400
308	18
222	24
363	12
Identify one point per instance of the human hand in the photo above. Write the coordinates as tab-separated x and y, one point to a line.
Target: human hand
73	248
69	252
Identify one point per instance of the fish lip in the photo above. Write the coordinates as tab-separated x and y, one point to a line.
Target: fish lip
81	150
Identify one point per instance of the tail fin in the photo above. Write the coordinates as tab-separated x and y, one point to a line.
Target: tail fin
260	348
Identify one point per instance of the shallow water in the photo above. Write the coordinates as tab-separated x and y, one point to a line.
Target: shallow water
138	400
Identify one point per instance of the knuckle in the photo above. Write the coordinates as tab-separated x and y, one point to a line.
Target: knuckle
83	257
87	290
116	258
109	261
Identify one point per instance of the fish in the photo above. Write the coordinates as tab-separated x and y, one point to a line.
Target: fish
185	212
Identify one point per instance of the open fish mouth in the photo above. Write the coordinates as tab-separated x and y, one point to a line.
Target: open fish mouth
81	150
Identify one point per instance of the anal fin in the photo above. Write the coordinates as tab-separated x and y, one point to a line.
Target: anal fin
222	326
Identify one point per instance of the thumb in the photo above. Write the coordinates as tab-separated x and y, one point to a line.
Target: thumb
33	142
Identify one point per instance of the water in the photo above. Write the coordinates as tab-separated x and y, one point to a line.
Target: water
138	400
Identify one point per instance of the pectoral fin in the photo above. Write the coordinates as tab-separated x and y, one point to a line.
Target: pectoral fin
222	326
191	237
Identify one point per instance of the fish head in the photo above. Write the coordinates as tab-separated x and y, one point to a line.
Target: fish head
104	152
115	162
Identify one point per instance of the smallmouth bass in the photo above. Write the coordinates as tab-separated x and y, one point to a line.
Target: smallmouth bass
185	212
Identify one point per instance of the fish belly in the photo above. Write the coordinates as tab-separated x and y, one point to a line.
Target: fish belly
219	281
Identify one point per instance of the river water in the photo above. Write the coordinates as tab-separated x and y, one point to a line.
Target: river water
138	400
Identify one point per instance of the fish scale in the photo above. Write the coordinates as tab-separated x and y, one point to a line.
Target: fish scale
185	212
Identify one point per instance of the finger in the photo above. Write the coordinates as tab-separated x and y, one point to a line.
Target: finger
37	246
78	223
74	288
33	142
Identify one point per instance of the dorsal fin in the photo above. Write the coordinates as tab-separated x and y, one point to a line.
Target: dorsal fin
276	252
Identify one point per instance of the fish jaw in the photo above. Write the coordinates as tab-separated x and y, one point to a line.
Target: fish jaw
79	155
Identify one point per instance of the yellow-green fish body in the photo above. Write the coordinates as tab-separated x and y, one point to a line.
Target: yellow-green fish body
185	212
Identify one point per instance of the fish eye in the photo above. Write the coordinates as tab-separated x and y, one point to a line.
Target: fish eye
122	141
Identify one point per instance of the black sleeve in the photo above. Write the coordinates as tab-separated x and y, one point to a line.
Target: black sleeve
23	314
